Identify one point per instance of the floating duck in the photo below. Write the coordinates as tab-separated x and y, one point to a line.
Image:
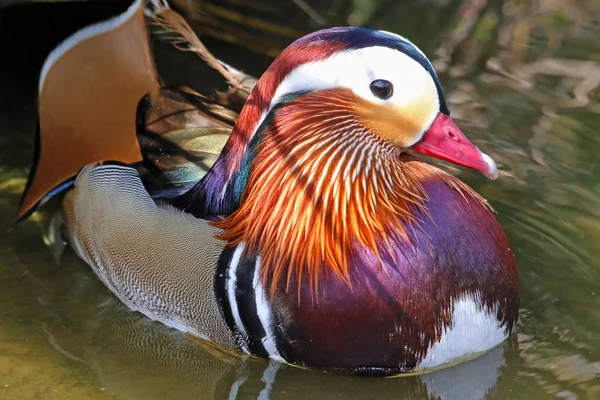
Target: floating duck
315	235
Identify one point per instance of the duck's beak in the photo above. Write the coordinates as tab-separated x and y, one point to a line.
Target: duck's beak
445	140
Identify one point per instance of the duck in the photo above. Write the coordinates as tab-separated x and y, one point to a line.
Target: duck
313	232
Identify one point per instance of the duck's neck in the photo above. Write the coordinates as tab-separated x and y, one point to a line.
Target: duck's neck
315	183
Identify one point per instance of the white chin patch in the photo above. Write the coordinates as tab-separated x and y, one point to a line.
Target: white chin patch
474	331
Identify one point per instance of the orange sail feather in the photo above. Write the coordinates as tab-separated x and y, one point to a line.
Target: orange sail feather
89	90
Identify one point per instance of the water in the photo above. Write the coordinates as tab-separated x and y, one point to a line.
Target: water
522	79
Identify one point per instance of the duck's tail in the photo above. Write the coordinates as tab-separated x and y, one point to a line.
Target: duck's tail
89	90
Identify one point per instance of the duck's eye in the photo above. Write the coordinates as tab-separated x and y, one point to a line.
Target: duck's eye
382	88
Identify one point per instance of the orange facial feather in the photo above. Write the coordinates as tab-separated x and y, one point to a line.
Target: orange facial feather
322	183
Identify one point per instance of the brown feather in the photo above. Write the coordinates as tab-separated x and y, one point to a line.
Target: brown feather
87	105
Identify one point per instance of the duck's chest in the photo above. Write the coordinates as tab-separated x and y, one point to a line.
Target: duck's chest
450	293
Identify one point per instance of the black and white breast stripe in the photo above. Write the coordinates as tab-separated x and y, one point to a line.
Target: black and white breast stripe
244	303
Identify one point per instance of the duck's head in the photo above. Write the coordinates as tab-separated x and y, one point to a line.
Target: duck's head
314	165
388	83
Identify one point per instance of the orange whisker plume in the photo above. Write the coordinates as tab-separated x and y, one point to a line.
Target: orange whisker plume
320	185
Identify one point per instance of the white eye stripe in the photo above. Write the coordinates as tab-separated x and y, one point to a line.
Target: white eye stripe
356	69
410	43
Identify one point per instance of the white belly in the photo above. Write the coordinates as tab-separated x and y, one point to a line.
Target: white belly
474	330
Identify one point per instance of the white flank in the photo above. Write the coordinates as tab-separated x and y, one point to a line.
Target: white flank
474	330
264	315
83	34
231	284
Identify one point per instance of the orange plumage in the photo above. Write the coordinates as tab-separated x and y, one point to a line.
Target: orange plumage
322	183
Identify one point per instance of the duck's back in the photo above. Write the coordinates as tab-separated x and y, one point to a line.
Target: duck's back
156	259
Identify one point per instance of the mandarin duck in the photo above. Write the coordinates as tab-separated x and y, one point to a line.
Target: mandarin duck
311	233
